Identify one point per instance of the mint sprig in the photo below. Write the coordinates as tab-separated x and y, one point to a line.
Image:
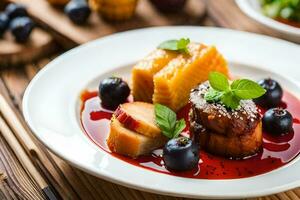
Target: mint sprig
166	120
176	45
218	81
231	94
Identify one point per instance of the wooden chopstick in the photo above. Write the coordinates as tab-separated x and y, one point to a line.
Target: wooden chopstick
43	160
19	151
25	160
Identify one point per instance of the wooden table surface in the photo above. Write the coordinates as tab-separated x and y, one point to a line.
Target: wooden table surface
69	182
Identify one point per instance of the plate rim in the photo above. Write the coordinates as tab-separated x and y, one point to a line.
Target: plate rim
27	119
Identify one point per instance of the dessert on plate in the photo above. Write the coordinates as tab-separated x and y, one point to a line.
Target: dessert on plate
167	77
133	131
231	133
183	115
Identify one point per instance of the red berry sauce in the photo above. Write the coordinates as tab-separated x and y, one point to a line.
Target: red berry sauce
276	152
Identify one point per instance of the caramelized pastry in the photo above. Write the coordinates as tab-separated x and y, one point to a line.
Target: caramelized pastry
230	133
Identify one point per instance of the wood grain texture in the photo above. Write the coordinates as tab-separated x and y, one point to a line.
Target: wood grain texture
15	183
55	20
39	45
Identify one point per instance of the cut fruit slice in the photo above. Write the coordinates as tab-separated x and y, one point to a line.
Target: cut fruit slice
143	72
139	117
129	143
172	84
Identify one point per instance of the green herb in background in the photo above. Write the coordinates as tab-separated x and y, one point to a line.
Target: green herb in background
285	9
231	94
166	120
176	45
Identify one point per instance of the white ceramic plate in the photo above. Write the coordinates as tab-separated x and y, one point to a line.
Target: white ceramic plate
253	9
51	105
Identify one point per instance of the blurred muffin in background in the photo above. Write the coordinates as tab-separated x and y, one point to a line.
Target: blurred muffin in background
58	2
114	10
169	6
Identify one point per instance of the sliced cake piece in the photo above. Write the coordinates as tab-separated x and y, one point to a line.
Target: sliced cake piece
139	117
129	143
142	73
173	83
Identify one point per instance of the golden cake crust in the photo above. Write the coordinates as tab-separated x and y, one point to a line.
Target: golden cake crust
168	78
130	143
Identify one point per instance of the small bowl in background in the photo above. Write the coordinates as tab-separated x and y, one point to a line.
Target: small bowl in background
252	8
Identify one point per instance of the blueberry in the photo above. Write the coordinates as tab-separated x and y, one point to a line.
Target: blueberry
273	95
21	28
78	11
181	154
14	10
277	121
113	91
4	21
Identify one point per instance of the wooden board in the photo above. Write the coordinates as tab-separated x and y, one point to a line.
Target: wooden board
13	53
55	20
39	45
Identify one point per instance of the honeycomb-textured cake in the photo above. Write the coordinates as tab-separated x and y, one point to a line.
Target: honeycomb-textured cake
176	75
143	72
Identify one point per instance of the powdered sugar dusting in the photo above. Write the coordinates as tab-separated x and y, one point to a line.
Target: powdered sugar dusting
247	108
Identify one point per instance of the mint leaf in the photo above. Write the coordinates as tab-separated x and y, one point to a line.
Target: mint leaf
182	45
230	100
166	120
247	89
169	45
175	45
218	81
230	95
213	95
180	125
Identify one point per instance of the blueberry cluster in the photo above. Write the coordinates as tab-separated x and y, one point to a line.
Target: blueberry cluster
78	11
15	19
276	119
